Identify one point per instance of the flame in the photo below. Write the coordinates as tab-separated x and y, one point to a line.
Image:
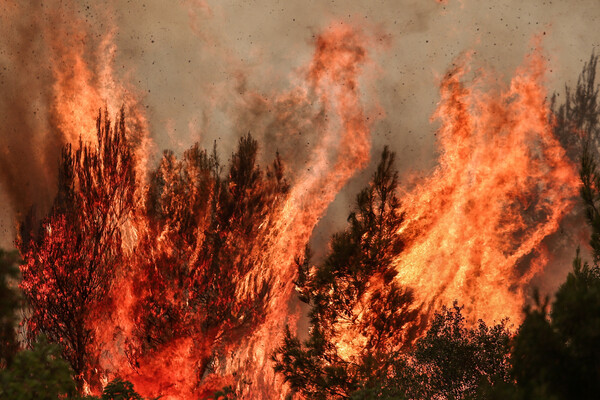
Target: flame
333	73
172	368
502	185
84	78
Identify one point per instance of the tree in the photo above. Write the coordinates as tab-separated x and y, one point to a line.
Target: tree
120	390
202	231
360	318
576	119
452	360
556	352
362	341
37	374
10	302
40	373
577	126
70	257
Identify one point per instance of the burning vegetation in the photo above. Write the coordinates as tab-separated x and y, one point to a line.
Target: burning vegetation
192	277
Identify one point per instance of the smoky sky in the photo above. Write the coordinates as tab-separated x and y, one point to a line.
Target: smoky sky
212	70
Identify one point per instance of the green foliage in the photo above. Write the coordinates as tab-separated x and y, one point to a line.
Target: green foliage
452	361
120	390
10	301
117	389
37	374
559	353
556	352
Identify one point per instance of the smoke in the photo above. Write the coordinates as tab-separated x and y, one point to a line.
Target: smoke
29	149
56	75
210	70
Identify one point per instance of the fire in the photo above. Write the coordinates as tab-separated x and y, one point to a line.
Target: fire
231	253
332	75
502	185
192	264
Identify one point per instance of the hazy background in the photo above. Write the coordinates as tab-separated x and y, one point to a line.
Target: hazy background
212	70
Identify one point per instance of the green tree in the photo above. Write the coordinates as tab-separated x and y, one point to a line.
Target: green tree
452	360
120	390
556	354
117	389
353	294
37	374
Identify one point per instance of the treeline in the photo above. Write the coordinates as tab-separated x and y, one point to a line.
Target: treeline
367	339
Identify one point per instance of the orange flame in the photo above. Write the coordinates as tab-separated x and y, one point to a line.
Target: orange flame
333	73
343	148
502	185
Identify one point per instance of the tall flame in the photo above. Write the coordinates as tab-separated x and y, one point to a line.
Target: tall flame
502	185
343	148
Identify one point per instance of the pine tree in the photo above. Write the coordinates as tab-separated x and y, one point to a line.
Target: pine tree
202	230
360	318
556	351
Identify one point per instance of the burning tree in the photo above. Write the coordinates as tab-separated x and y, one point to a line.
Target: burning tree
201	258
200	233
360	317
186	258
71	257
205	225
159	282
364	326
556	352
